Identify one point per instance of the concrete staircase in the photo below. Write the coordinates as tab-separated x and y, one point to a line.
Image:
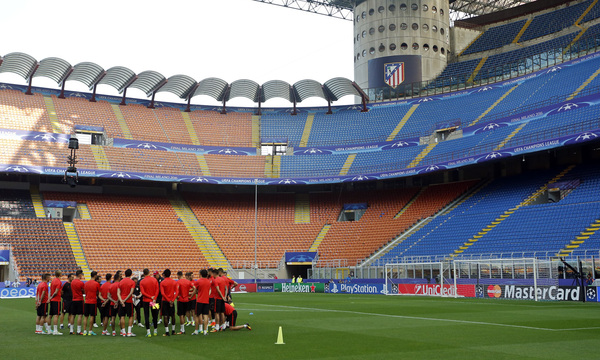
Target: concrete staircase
52	115
302	209
319	238
36	199
580	239
77	250
100	157
190	128
121	121
202	237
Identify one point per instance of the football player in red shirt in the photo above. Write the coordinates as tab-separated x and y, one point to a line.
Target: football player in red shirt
114	301
191	314
168	289
230	283
183	300
149	289
124	294
105	308
201	290
231	315
221	288
77	304
55	300
41	306
92	293
213	295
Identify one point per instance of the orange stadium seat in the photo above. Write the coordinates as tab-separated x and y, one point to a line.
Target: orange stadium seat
23	112
133	232
215	129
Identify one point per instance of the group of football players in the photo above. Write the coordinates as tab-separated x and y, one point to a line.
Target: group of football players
123	296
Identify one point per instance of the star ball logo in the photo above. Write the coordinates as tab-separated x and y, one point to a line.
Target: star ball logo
591	293
494	291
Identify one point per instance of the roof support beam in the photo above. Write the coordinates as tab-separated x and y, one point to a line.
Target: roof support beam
260	89
125	90
93	99
294	112
151	105
328	96
225	98
192	91
28	92
63	82
364	98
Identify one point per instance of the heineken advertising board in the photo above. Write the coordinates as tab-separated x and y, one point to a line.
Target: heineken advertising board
300	288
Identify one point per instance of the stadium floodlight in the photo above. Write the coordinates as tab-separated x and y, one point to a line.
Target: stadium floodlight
71	175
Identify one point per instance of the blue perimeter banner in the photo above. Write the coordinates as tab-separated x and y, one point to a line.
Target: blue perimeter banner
196	149
577	138
300	257
4	256
18	292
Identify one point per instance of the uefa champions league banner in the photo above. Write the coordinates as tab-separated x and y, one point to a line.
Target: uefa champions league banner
196	149
33	136
353	149
554	109
491	156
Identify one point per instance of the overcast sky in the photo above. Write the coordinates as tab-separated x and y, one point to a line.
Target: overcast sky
228	39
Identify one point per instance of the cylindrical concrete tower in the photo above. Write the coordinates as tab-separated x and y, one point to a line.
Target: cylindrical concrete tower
398	42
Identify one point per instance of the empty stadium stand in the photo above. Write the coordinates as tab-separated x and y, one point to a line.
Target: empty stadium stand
39	245
133	232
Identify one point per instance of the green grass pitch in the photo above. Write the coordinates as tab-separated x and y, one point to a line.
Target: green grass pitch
325	326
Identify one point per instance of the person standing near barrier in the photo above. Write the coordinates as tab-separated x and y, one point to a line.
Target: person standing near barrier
41	306
149	289
55	301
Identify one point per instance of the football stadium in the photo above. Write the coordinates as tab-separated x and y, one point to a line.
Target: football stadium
443	202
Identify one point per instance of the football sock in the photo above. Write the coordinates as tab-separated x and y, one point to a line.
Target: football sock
78	329
71	328
201	326
55	328
173	328
182	327
148	331
129	329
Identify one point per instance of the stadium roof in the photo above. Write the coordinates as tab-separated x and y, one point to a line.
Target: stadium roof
183	86
482	7
343	9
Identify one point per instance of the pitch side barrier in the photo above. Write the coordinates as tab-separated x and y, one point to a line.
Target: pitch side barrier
491	290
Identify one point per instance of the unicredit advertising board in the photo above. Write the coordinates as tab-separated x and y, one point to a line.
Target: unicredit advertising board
434	289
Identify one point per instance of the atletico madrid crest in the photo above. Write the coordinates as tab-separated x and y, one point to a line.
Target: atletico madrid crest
393	73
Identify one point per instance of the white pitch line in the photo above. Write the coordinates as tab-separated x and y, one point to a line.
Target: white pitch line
586	328
421	318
